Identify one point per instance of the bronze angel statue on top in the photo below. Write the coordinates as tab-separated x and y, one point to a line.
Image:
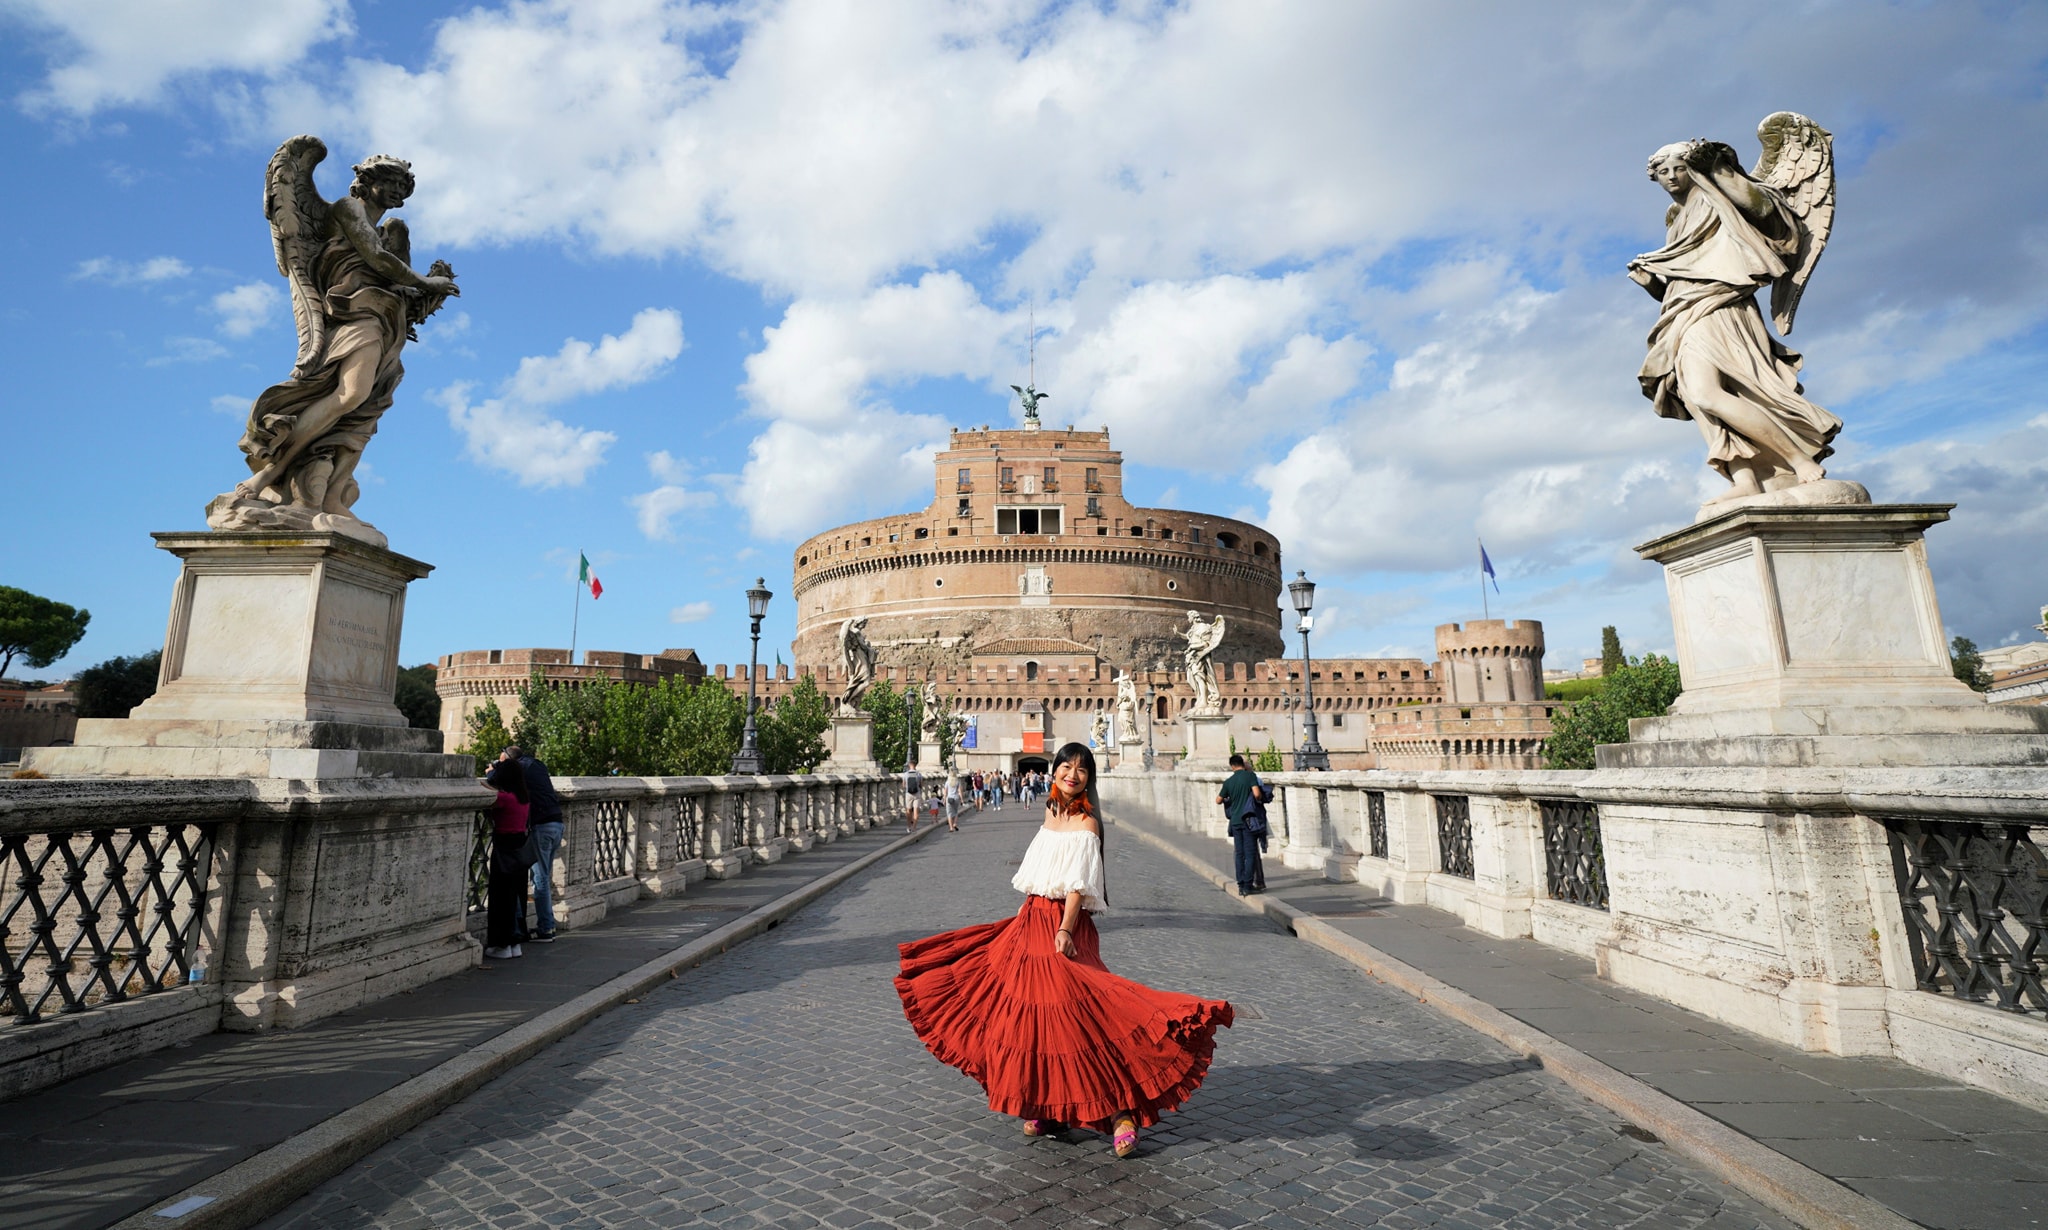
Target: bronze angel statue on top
1729	233
355	299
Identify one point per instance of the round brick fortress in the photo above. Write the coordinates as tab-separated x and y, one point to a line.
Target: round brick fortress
1029	549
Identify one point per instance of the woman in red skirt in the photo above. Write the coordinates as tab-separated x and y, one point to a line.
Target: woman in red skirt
1026	1007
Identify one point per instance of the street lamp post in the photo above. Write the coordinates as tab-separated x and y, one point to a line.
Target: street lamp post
1310	755
749	758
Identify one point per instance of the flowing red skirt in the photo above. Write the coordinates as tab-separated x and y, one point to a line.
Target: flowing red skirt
1052	1037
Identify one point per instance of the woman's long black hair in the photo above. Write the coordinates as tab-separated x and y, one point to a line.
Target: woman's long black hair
510	776
1079	752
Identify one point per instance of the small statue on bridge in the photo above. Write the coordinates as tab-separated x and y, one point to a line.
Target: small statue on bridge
1098	732
1204	639
356	299
929	702
857	654
1126	708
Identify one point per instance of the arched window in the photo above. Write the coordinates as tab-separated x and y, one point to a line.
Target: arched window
1031	670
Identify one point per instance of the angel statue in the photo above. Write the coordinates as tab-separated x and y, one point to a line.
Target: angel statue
1030	396
1729	233
1098	730
928	729
858	655
1127	708
356	299
1203	640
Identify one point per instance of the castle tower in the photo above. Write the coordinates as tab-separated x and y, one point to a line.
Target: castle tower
1029	548
1489	661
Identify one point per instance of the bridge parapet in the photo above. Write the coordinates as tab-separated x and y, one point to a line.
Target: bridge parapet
1888	911
136	913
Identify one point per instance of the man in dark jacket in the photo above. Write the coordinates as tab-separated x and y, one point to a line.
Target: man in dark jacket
1238	797
544	820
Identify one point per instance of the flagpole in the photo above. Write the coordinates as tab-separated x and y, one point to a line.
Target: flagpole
576	620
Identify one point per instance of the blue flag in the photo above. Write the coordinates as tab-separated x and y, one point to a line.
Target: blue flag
1486	566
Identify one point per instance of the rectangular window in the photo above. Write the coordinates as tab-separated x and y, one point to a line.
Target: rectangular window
1052	475
1094	506
1009	476
1337	721
1028	520
1195	535
1006	520
965	475
966	507
1093	478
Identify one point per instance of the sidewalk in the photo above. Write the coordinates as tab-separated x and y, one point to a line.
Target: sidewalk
1939	1153
94	1150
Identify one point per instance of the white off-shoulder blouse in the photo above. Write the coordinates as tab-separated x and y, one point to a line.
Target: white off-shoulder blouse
1060	862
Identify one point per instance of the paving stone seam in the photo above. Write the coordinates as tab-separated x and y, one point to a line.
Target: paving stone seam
1805	1195
259	1186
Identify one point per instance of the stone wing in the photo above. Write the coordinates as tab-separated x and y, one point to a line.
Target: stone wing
1799	161
298	224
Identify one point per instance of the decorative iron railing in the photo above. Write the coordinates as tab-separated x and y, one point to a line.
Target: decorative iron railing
736	821
99	916
690	827
480	863
1574	865
1376	823
1454	834
613	821
1975	897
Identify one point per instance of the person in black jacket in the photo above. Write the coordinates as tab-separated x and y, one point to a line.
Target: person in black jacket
546	823
1242	802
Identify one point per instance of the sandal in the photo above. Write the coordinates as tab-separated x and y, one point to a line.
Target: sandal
1126	1138
1043	1127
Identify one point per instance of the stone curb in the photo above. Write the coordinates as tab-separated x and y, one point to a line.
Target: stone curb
1805	1195
257	1187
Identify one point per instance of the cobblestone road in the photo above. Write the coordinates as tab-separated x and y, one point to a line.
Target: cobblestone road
779	1085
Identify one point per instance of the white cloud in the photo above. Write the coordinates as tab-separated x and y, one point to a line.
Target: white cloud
579	369
124	273
189	350
238	406
113	52
691	613
247	307
657	509
800	479
510	432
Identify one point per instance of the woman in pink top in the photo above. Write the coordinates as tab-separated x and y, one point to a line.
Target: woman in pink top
505	899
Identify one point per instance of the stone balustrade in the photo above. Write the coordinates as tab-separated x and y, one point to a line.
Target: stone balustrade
1857	911
139	912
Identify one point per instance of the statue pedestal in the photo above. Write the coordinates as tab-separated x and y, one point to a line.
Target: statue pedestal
928	762
850	745
1208	742
280	661
1810	636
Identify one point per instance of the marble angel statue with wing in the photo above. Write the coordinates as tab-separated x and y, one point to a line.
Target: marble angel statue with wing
1729	234
356	299
1204	639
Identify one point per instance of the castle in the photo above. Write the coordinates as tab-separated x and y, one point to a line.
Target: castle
1029	585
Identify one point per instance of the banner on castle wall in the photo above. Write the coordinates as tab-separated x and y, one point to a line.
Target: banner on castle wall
1034	741
970	735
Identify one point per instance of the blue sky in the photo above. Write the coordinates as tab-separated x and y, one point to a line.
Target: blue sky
1351	271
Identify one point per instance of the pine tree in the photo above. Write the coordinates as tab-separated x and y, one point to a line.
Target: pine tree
1611	658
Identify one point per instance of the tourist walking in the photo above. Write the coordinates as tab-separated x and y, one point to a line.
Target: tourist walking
1243	799
505	883
1026	1007
913	791
953	801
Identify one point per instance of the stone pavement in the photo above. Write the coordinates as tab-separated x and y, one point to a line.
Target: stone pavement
779	1085
1938	1152
94	1150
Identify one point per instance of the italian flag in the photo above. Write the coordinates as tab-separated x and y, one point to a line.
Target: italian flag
587	577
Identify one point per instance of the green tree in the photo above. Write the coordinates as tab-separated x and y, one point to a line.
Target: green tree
416	697
793	732
1270	760
698	727
35	629
893	712
487	736
111	688
1611	659
1643	688
1968	663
